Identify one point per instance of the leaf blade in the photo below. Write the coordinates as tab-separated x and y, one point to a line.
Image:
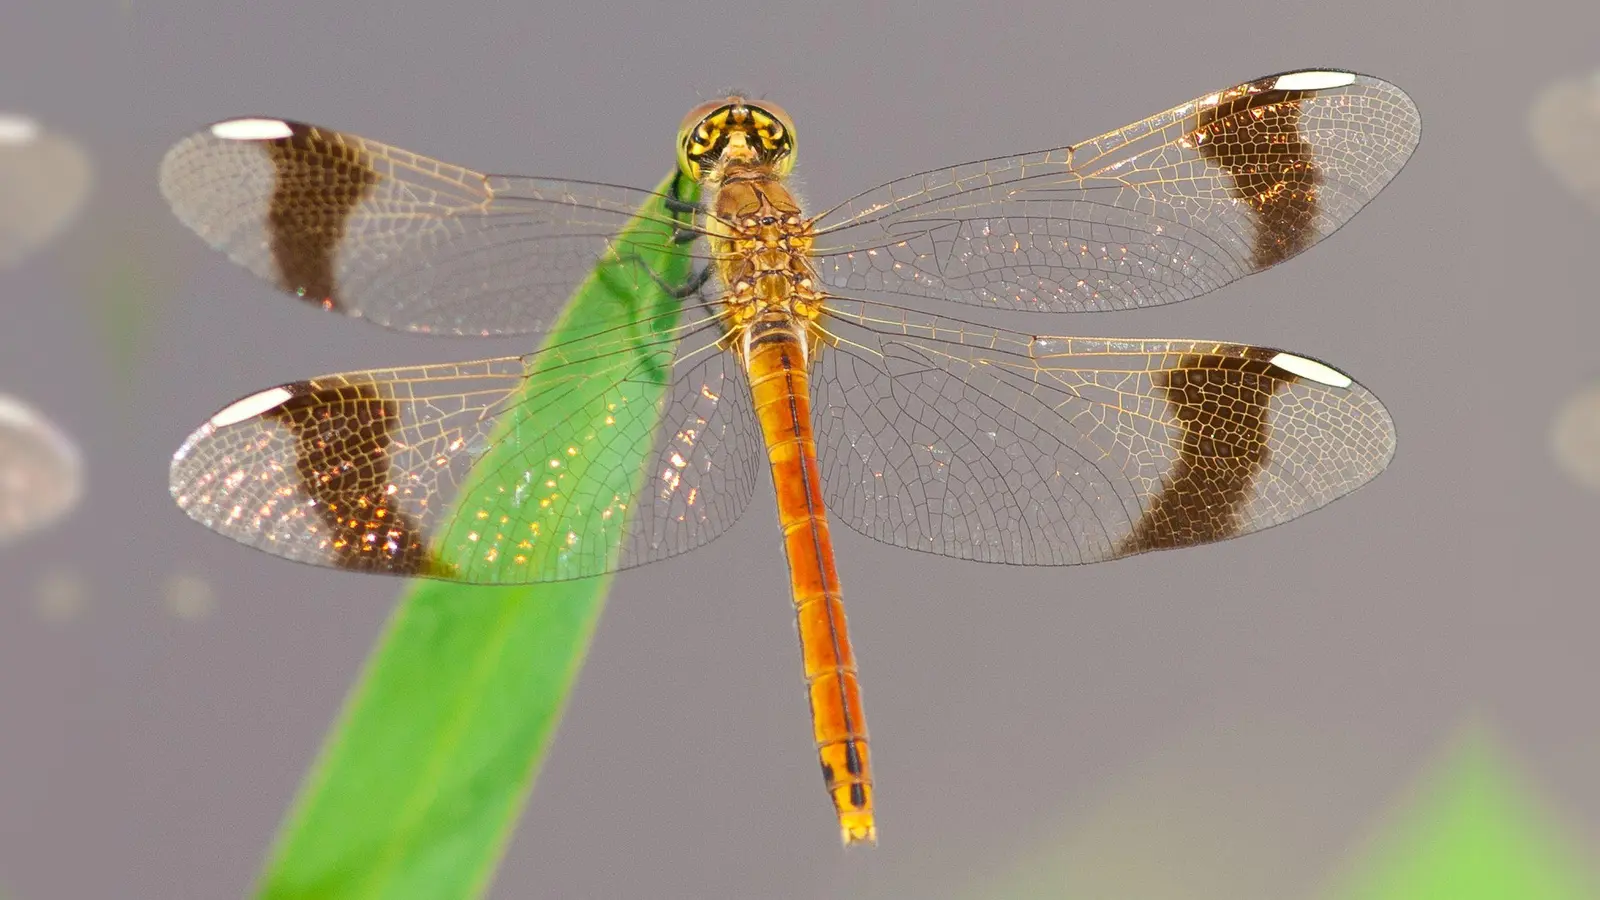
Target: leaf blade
419	783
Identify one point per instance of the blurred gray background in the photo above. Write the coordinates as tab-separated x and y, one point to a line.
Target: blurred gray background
1315	670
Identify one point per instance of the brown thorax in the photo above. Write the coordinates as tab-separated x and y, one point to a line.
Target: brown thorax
759	239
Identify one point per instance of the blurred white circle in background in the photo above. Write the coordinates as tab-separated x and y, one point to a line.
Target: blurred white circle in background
41	470
44	179
1575	437
61	596
15	129
189	597
1565	126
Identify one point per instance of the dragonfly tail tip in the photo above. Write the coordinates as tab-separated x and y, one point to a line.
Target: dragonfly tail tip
855	833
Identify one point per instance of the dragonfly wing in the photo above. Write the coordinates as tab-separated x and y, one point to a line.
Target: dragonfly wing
706	461
371	230
980	443
1162	210
502	471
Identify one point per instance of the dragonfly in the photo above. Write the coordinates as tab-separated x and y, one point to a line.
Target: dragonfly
41	470
857	351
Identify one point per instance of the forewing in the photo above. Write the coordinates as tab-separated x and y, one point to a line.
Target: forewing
353	225
1162	210
980	443
502	471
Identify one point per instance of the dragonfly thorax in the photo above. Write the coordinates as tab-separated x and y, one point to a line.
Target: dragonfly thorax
755	226
762	247
789	296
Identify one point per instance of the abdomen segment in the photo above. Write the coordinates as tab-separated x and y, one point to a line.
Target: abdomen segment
776	358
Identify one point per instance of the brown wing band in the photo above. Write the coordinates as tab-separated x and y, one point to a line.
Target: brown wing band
342	439
320	180
1256	139
1220	403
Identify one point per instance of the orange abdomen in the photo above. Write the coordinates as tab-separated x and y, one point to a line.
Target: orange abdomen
776	359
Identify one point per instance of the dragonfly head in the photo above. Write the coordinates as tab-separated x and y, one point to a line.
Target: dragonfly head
734	129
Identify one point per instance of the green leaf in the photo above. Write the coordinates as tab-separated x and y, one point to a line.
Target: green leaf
1218	815
1474	831
419	785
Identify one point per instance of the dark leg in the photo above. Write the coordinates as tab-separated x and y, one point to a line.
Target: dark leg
674	205
693	285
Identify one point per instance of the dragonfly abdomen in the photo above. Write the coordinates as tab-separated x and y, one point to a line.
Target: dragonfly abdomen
776	359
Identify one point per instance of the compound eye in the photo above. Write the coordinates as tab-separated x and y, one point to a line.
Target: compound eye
699	114
782	127
699	133
775	131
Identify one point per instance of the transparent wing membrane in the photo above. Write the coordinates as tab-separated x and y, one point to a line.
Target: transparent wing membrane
380	470
409	242
1165	209
977	442
933	433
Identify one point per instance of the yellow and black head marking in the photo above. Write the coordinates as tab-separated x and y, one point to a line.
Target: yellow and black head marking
735	129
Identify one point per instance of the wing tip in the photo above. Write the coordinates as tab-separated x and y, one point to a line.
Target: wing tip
1332	78
253	406
176	179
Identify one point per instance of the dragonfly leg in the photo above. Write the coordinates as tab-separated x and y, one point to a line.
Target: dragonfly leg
692	286
674	205
679	291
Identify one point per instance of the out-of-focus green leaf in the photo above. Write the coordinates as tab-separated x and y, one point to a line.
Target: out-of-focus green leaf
126	294
1471	831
